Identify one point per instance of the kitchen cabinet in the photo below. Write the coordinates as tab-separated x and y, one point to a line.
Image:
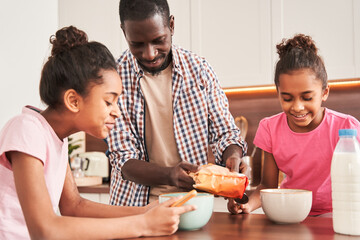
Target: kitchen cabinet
334	25
97	193
235	37
238	37
97	197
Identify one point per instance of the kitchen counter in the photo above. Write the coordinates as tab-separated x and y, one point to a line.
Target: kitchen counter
103	188
257	226
246	226
100	193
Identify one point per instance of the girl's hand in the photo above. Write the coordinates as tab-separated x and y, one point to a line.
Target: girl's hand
151	205
163	219
235	208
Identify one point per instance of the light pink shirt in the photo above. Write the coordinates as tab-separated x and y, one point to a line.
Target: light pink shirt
305	158
29	133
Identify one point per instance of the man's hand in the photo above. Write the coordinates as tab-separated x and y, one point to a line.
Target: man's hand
236	164
180	175
151	174
232	157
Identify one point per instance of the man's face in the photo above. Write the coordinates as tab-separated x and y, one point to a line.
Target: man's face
150	41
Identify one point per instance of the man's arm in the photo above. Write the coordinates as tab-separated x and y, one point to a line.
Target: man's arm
150	174
224	134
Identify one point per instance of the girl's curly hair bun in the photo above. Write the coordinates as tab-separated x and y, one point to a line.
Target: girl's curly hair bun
67	38
299	42
299	52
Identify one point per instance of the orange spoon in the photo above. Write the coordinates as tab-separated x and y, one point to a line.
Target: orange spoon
184	199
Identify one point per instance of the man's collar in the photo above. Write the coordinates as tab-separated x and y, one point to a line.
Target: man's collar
175	57
134	66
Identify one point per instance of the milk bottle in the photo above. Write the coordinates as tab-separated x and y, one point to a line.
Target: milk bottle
345	183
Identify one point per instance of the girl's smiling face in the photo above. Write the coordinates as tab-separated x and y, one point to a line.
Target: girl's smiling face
301	95
99	108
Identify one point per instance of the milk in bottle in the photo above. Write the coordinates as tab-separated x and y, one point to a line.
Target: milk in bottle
345	183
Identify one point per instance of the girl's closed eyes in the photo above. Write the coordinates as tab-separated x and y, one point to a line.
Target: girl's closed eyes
289	98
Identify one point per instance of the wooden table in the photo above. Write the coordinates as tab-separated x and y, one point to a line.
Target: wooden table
223	226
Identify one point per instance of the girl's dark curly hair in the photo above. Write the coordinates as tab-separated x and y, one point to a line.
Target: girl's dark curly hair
299	52
73	64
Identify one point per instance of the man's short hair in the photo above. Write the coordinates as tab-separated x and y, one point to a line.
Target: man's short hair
138	10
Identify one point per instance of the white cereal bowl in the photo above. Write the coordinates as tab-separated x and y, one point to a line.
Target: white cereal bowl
286	205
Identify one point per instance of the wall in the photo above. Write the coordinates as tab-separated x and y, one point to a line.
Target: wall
238	37
101	21
98	18
24	46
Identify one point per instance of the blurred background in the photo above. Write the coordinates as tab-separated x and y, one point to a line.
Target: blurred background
237	37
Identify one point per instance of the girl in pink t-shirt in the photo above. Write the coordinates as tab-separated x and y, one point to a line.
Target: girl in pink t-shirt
81	87
299	141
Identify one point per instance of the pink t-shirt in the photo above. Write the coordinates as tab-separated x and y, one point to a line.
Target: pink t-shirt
29	133
305	158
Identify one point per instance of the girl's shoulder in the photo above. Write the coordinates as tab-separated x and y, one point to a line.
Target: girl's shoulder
18	120
29	133
274	119
29	117
28	123
340	118
335	121
274	124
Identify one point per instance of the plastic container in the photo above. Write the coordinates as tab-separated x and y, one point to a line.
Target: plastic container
345	183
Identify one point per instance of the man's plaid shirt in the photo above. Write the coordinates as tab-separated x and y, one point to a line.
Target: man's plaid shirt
201	118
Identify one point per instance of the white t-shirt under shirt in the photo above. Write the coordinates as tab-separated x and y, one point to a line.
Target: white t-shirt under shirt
29	133
159	131
305	158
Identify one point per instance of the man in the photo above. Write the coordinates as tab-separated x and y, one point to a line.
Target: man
172	110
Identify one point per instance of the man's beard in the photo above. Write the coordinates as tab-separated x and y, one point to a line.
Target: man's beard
156	71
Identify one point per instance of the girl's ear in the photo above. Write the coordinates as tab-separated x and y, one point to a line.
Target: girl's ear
325	93
72	100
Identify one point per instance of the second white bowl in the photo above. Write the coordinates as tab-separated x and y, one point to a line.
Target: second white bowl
286	205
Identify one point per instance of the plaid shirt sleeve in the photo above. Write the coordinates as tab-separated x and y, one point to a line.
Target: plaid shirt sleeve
125	140
222	129
123	143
